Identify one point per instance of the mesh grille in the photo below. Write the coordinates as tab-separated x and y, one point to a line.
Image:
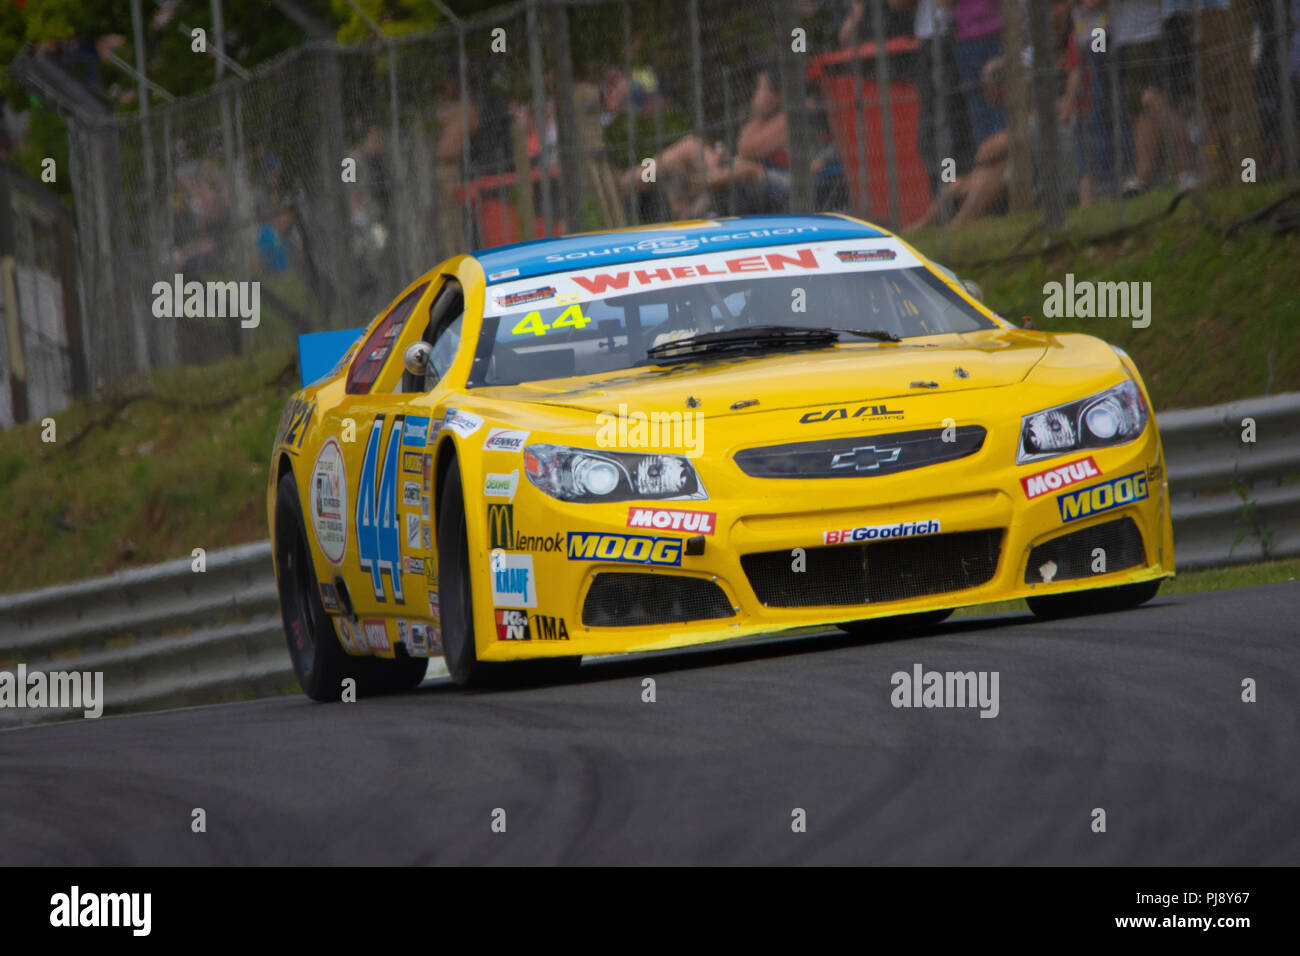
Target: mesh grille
877	571
630	598
861	457
1072	553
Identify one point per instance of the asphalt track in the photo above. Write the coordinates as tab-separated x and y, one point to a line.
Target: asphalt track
1138	713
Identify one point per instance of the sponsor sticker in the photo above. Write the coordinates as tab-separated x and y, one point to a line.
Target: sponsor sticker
904	529
1155	473
1103	497
427	533
1062	476
413	462
672	519
418	645
416	431
624	548
413	531
549	628
347	637
512	580
376	635
501	486
427	470
327	501
411	493
463	424
412	565
329	597
435	639
430	572
847	412
505	439
866	255
526	295
503	274
435	612
501	525
512	625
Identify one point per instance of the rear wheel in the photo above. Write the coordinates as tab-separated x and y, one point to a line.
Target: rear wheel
902	624
319	662
1097	601
456	599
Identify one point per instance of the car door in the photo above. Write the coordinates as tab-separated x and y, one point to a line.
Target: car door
388	570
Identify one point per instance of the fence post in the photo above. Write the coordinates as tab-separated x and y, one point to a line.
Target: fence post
9	301
566	119
1044	87
794	95
634	205
1015	98
886	109
1285	90
544	158
72	330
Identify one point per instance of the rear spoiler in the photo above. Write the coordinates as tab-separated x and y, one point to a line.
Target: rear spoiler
319	352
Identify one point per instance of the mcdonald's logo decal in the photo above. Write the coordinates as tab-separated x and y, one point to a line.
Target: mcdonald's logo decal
501	525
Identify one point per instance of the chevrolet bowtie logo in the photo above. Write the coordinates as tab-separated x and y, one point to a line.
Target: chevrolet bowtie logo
865	458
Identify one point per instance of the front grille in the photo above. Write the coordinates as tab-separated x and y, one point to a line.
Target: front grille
631	598
861	457
876	571
1120	542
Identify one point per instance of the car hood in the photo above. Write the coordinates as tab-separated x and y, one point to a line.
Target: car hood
848	373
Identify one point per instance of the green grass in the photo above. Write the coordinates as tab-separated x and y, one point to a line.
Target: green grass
1223	310
162	477
181	469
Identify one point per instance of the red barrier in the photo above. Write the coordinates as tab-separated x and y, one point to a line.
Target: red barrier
495	211
835	76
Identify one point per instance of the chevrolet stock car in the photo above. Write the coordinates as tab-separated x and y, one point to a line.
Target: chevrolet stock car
662	436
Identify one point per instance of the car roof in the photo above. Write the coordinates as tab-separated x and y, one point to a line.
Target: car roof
540	257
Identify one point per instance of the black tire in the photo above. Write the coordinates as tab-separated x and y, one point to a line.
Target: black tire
888	626
319	662
456	600
1097	601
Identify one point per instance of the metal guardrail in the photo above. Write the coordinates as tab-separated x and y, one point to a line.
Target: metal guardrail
167	636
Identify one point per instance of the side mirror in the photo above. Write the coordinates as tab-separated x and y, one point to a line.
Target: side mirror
416	357
973	287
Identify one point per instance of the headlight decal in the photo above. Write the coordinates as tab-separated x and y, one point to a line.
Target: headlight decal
1112	417
586	475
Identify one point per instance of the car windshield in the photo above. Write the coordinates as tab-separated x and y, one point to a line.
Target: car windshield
595	320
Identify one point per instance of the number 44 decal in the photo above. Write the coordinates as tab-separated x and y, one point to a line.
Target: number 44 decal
379	541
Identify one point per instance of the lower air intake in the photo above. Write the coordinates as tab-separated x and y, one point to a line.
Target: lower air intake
876	571
1073	553
630	599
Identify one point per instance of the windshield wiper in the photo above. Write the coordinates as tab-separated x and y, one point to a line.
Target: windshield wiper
755	338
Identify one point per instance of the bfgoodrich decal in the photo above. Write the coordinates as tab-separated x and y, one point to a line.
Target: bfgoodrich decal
904	529
327	501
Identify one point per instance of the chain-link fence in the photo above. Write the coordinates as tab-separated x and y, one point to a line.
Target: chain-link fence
40	310
335	175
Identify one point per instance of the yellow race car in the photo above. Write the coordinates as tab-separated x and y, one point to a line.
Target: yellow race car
658	437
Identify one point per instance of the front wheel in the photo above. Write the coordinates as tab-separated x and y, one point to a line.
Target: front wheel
456	600
319	662
1098	601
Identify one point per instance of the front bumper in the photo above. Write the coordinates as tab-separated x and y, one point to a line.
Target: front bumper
761	524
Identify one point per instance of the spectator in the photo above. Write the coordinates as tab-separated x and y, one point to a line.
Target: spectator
936	79
691	170
1217	58
1145	84
978	41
